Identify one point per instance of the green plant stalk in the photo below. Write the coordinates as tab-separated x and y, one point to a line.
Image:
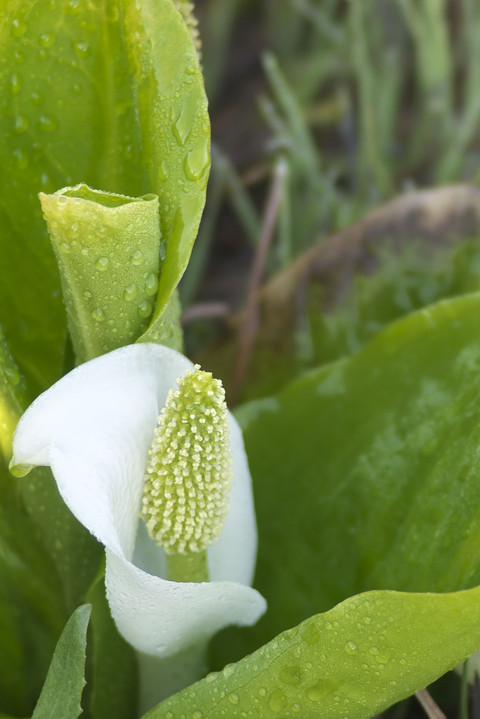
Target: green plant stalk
220	17
427	23
370	156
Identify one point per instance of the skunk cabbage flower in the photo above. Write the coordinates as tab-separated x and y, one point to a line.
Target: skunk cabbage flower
94	429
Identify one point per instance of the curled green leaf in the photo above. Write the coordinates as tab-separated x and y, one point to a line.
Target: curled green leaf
108	252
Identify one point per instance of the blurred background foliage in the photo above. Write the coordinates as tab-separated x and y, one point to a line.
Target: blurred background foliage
323	110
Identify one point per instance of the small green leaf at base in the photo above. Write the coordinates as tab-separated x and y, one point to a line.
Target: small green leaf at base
62	691
352	662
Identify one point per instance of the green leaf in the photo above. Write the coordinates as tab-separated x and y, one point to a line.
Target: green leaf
32	612
13	398
354	661
366	473
62	691
108	251
175	127
112	687
102	93
74	551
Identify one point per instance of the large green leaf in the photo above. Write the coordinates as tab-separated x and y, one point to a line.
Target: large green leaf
62	691
350	663
112	672
366	472
104	93
32	610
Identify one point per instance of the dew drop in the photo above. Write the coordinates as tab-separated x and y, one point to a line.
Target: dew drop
46	182
65	247
351	647
262	692
196	162
130	292
18	56
137	258
77	88
18	28
291	675
15	83
47	123
169	715
182	127
102	263
277	701
21	158
12	375
310	634
197	714
229	669
163	171
211	677
318	691
87	294
72	7
46	39
296	707
98	315
21	124
162	250
36	98
145	309
151	285
233	698
81	49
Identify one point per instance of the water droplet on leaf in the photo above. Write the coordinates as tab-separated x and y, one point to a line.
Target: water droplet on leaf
102	263
18	27
98	315
277	701
145	309
137	258
130	292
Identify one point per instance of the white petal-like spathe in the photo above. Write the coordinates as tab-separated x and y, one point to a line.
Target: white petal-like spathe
94	428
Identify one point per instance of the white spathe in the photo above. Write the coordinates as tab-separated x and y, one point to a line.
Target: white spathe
94	428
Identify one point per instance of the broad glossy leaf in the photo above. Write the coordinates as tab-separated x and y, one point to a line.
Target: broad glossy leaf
62	691
352	662
32	611
102	93
366	472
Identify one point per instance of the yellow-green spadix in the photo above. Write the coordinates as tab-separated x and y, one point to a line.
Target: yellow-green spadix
94	429
188	476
